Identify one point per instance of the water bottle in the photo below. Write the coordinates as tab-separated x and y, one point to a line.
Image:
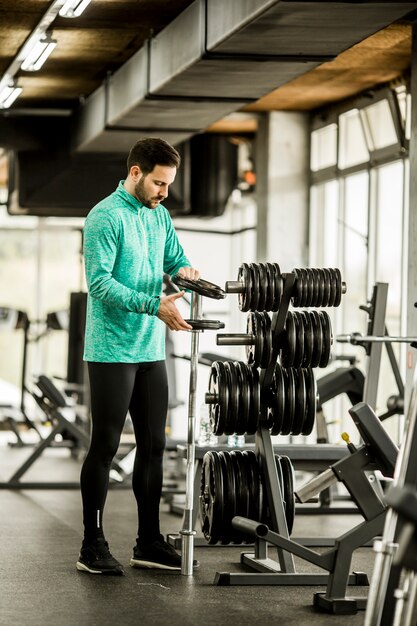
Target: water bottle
236	441
206	436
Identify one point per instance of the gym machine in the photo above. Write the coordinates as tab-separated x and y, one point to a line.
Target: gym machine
57	409
388	601
13	319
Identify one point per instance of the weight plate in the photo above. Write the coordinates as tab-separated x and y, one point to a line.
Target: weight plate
316	287
270	298
327	338
279	286
254	303
233	406
300	401
311	395
339	281
244	400
287	352
229	502
299	343
254	327
288	480
297	293
308	339
267	339
327	287
289	401
318	338
243	276
279	407
253	378
263	286
211	498
322	279
218	386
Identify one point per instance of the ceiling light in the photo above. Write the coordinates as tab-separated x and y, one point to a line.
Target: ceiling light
74	8
38	54
8	95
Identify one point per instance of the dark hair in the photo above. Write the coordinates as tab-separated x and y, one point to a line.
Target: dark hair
150	152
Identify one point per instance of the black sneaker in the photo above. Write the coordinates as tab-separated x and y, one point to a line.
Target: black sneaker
158	554
96	559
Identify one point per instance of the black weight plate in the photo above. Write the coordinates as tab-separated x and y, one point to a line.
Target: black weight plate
241	483
289	401
253	378
318	338
279	286
327	338
228	499
287	352
279	407
254	303
327	287
310	286
322	287
299	344
267	336
219	387
254	327
254	467
333	286
311	394
244	400
211	498
263	286
316	287
297	291
304	287
233	412
339	281
300	402
288	480
252	491
308	338
232	494
270	298
244	276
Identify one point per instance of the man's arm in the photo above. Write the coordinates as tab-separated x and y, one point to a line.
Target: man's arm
100	246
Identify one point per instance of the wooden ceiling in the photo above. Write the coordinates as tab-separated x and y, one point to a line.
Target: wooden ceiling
379	59
110	31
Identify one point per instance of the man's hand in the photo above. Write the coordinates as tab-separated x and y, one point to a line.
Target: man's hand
169	313
189	272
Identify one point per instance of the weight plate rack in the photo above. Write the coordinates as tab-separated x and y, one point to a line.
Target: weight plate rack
273	393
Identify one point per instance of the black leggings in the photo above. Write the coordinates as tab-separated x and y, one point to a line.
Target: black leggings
116	388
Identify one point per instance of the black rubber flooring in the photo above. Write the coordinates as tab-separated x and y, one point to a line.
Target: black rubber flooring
40	534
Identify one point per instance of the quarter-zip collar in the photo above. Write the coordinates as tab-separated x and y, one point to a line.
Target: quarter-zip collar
133	203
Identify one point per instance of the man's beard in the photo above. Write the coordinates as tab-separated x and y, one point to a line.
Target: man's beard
140	194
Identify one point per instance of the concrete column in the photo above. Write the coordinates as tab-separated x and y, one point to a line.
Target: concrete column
282	165
412	222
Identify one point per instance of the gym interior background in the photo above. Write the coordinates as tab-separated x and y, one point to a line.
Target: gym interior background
298	141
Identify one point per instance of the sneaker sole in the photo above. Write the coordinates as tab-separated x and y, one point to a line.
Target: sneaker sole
81	567
153	565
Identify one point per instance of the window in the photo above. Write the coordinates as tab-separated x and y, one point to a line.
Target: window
352	145
324	147
377	119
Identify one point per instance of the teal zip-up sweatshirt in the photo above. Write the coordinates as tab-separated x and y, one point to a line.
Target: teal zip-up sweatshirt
127	249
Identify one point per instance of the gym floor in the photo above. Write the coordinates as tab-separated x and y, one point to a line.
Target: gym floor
41	534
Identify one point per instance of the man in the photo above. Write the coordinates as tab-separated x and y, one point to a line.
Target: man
129	242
